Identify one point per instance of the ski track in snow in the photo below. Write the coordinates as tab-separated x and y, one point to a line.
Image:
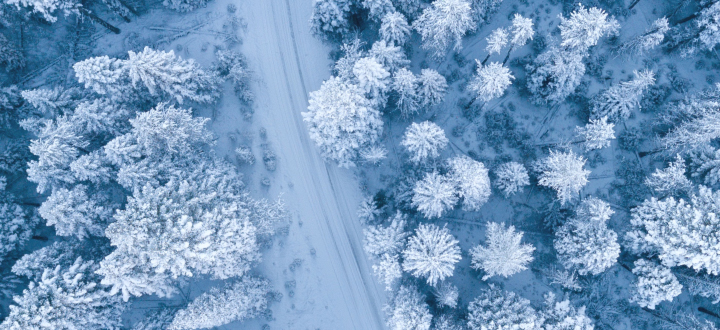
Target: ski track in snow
335	288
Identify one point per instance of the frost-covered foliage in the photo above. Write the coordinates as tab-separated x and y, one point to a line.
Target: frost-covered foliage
694	121
75	212
65	297
424	141
431	253
702	32
372	78
502	254
342	121
563	172
433	87
443	25
233	66
352	52
331	18
521	31
496	41
394	28
585	243
561	315
671	179
472	181
654	284
48	8
240	300
585	27
490	81
496	309
377	9
706	165
701	285
15	228
651	38
618	101
388	270
184	5
368	210
447	295
448	322
373	154
380	240
405	86
511	178
678	232
389	55
554	75
158	319
408	310
596	134
434	195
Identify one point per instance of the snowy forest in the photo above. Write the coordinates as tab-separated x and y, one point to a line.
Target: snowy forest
360	164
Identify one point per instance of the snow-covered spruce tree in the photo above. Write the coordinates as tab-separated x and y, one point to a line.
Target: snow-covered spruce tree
424	141
48	9
561	315
60	253
75	213
521	31
374	79
651	38
618	101
447	295
448	322
433	88
156	319
377	9
443	25
503	254
490	81
233	66
511	178
482	9
184	5
331	18
702	32
352	52
701	285
394	28
693	121
342	121
678	232
705	164
65	298
596	134
472	181
670	180
408	310
584	28
563	172
585	243
389	55
16	228
496	41
496	309
405	87
373	154
431	253
244	299
434	194
380	240
388	270
554	75
368	210
654	284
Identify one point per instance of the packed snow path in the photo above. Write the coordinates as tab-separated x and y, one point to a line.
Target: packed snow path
335	288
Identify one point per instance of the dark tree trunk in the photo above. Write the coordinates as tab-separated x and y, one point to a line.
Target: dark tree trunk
99	20
486	59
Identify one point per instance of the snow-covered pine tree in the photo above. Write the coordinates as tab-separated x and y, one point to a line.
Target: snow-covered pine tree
561	315
490	81
431	253
331	18
472	181
66	297
618	101
184	5
368	210
654	284
48	9
76	213
701	32
377	9
433	87
554	75
405	87
424	141
233	66
503	254
448	322
443	25
496	41
447	295
522	30
62	253
496	309
408	310
651	38
102	74
434	195
57	145
352	51
511	178
373	154
596	134
482	9
693	121
380	240
678	232
670	180
237	301
16	228
342	121
156	319
584	28
706	164
585	243
394	28
701	285
388	270
563	172
388	55
100	117
374	79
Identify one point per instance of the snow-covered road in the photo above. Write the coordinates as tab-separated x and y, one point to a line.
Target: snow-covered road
334	288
